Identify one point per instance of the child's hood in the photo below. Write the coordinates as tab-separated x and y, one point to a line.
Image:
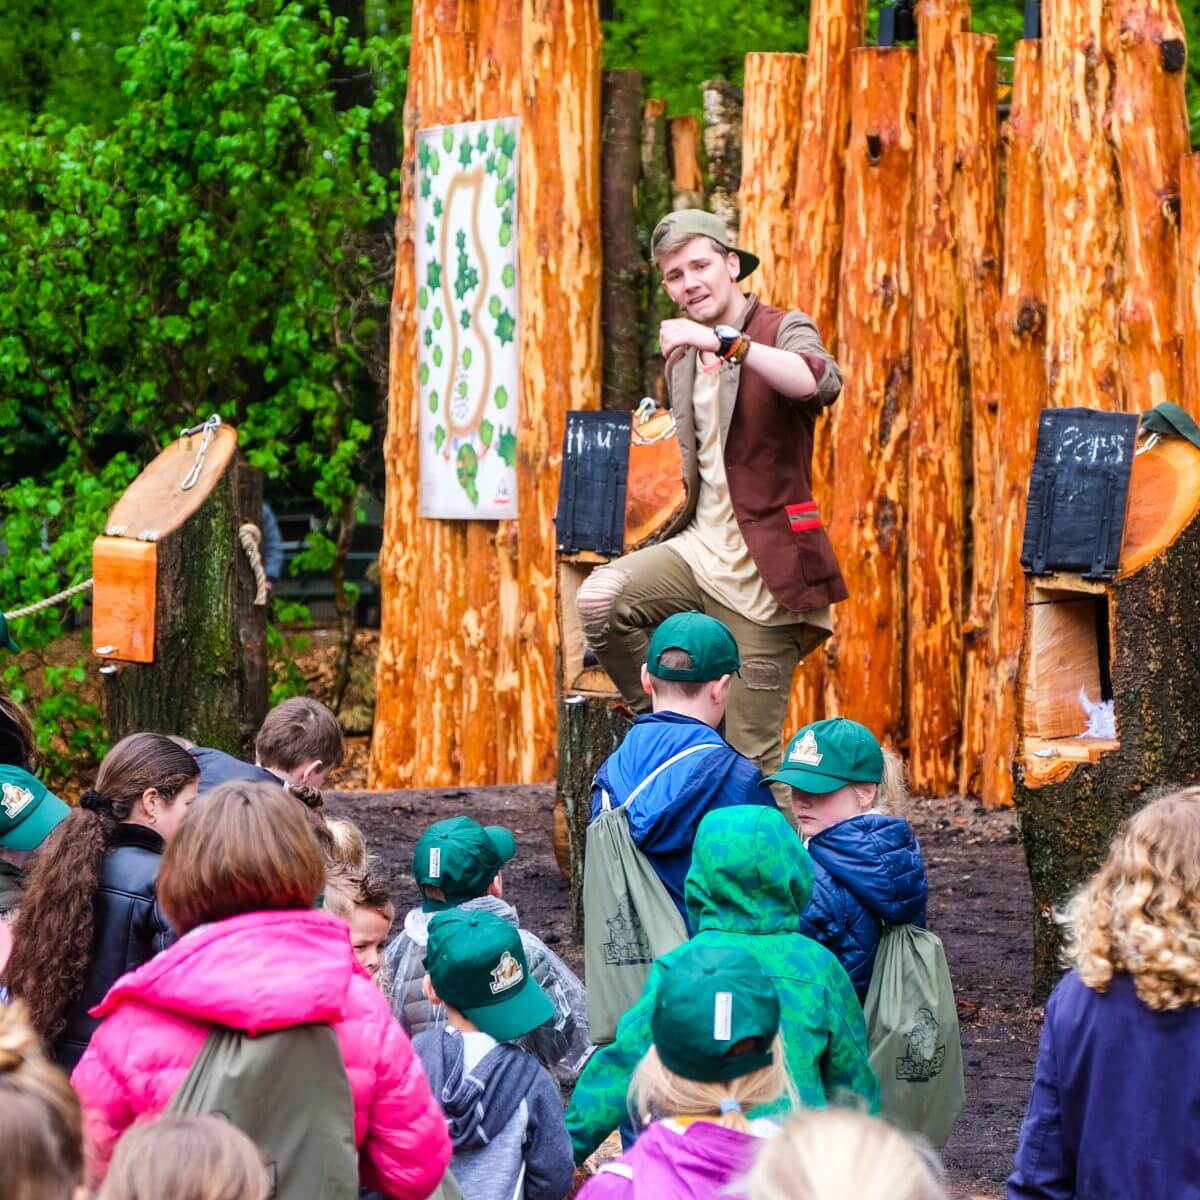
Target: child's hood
254	972
416	923
877	859
750	872
687	1162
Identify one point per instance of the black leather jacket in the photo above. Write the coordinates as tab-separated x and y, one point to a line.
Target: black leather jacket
130	929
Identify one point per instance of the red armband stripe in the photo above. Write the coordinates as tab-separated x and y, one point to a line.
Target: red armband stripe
803	516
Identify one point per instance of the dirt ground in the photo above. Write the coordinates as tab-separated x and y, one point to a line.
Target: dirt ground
979	905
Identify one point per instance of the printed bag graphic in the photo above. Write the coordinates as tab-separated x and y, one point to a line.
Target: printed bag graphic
912	1025
629	919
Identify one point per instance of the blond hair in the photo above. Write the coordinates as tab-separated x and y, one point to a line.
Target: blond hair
1140	913
349	845
657	1091
185	1158
348	888
41	1124
835	1153
892	794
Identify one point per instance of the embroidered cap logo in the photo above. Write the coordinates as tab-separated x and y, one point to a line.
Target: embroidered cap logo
15	799
805	751
506	974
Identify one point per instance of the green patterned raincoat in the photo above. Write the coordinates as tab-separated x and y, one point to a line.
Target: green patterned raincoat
750	879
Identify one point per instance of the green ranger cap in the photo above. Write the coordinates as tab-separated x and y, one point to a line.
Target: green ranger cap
477	965
6	637
461	857
827	755
713	649
695	222
711	998
29	811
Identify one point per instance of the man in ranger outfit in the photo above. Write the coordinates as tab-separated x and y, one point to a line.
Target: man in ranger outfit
746	384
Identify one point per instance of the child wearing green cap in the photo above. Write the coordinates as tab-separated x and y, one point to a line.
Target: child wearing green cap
503	1110
673	767
867	860
457	863
716	1055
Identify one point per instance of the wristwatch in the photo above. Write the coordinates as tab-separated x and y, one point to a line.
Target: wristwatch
733	344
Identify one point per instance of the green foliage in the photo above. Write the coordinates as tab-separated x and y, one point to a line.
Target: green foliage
212	252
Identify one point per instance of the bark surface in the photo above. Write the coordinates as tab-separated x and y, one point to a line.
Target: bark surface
723	149
1189	282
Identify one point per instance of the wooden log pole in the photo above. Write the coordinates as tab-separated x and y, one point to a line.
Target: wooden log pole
773	93
654	200
560	269
1189	279
1084	261
393	735
1021	324
870	443
687	180
835	30
977	221
623	290
935	479
723	149
1150	137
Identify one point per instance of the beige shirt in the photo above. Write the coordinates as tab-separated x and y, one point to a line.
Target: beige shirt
712	544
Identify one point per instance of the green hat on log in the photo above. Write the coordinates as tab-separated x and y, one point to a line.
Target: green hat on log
477	964
695	222
711	1000
460	857
827	755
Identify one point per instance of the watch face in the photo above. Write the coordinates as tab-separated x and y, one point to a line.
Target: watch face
726	332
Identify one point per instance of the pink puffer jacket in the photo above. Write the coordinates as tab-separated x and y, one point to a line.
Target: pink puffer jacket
258	972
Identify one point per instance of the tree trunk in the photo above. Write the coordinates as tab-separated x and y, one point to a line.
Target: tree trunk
978	225
393	736
654	203
560	271
589	730
835	30
687	180
1150	135
196	685
870	443
1072	794
935	480
1021	323
251	617
1084	270
1189	277
773	95
624	285
723	149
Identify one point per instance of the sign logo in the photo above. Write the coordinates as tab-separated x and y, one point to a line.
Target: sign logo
627	943
506	974
924	1058
15	799
805	751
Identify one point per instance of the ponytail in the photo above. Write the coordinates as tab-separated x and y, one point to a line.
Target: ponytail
54	933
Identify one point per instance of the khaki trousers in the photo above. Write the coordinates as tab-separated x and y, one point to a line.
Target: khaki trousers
621	603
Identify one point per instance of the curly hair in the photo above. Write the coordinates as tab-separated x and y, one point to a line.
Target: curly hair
17	745
1140	913
54	932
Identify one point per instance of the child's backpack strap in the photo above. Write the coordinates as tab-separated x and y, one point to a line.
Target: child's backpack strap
641	787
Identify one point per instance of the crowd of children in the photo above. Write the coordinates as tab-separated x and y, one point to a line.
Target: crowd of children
196	938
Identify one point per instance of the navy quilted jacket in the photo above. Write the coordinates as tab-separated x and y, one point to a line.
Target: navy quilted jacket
869	870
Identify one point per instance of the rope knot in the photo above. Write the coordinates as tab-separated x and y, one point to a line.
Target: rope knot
250	536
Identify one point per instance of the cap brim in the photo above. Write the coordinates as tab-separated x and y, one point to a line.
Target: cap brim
39	825
806	781
749	262
502	841
514	1017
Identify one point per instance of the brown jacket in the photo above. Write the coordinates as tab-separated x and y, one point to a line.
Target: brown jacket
767	440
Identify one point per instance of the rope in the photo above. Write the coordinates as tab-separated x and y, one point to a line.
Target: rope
208	428
49	601
251	538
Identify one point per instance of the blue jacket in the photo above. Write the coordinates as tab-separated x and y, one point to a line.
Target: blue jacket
663	818
217	767
1115	1109
869	870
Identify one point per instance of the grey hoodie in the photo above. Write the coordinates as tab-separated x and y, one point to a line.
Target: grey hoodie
561	1046
505	1118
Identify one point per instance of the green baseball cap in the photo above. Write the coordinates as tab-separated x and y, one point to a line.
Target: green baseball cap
461	857
713	649
29	811
709	999
477	965
6	637
695	222
827	755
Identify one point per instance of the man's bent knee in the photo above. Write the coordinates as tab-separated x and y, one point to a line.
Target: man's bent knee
596	599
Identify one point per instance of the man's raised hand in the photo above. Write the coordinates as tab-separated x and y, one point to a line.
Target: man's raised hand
679	331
